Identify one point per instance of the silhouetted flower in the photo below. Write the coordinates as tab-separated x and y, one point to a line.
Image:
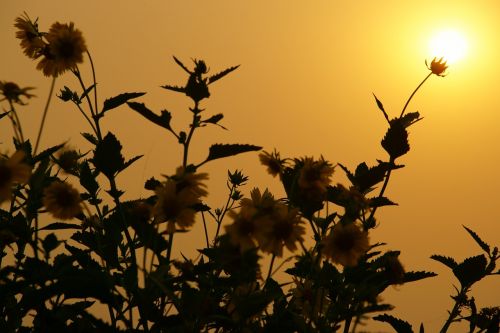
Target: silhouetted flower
241	231
31	41
437	66
65	49
345	244
282	228
62	200
191	181
315	175
13	93
263	203
13	170
272	161
67	159
174	207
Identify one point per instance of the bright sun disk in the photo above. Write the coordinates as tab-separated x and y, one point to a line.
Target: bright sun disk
449	44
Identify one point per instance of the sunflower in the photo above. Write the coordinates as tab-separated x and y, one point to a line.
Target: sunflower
31	39
273	162
241	231
191	181
13	170
64	50
262	202
174	207
345	244
62	200
315	175
13	93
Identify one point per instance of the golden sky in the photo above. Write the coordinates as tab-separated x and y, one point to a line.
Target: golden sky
308	71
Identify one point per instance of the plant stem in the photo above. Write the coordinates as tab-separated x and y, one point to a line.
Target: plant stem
270	267
413	94
455	311
17	122
44	116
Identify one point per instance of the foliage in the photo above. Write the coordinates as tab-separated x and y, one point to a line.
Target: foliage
102	249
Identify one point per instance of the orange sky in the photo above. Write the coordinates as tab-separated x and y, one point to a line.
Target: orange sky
308	71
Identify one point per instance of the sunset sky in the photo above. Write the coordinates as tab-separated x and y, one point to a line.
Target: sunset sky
308	71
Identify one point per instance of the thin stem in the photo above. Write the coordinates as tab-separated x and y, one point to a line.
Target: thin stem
205	228
93	78
45	111
270	267
194	124
455	311
382	190
413	94
87	118
169	250
17	121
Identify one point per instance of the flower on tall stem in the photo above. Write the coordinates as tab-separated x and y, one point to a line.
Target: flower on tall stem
437	67
64	51
13	170
345	244
12	93
62	200
31	39
273	162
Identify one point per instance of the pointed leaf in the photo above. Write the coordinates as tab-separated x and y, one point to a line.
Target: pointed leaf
90	138
46	153
448	261
4	114
349	174
129	162
220	75
381	201
87	91
399	325
395	141
471	270
162	121
174	88
415	276
87	179
116	101
182	65
108	158
381	107
225	150
478	240
60	226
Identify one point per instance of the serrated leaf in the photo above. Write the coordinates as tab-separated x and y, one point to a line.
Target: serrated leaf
151	184
399	325
129	162
415	276
174	88
381	201
448	261
478	240
217	151
60	226
471	270
90	138
381	107
181	65
220	75
349	174
410	119
116	101
87	179
108	158
46	153
395	141
162	121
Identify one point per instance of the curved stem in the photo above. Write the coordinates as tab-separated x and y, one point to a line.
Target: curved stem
270	267
17	121
87	118
45	111
413	94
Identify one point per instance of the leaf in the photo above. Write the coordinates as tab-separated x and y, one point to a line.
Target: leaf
399	325
108	158
46	153
129	162
4	114
87	91
49	243
415	276
220	75
471	270
87	179
182	65
90	138
381	201
174	88
381	107
478	240
60	226
395	141
215	120
162	121
349	174
217	151
116	101
151	184
448	261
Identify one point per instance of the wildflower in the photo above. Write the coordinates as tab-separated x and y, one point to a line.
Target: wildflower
272	161
237	178
242	230
310	299
191	181
264	203
64	51
13	93
67	159
62	200
345	244
283	228
31	41
174	207
13	170
437	66
315	175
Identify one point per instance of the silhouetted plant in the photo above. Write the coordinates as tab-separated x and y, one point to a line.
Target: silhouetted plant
120	251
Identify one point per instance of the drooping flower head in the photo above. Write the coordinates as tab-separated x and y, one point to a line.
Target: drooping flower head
64	51
62	200
13	93
437	67
13	170
31	39
273	162
345	244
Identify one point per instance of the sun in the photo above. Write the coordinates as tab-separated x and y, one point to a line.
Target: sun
449	44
